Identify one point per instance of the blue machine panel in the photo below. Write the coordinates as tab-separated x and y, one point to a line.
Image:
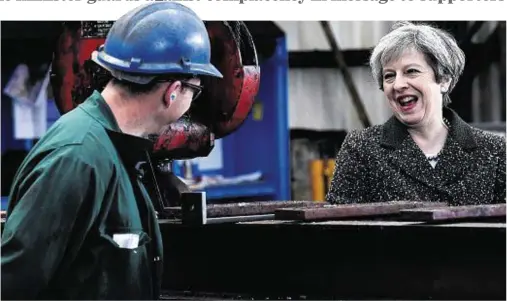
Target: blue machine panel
5	203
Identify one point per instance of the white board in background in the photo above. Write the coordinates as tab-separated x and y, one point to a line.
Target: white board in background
212	162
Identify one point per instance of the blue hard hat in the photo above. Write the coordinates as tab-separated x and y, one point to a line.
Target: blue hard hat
157	39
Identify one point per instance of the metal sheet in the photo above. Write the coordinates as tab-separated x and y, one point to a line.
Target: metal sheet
364	224
251	208
350	210
238	219
454	213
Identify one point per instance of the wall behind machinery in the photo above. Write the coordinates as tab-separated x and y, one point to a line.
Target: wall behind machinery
488	98
318	98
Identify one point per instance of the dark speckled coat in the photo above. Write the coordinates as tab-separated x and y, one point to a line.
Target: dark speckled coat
382	163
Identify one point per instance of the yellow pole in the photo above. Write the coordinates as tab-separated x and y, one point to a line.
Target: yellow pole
321	174
317	180
328	172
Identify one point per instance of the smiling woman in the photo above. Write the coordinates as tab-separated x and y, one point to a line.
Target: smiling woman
425	151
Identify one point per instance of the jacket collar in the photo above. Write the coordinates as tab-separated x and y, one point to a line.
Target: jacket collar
394	132
131	149
407	156
98	109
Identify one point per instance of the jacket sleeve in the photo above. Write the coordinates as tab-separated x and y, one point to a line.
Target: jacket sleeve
348	184
54	203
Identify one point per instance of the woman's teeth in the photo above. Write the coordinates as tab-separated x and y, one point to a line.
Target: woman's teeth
405	101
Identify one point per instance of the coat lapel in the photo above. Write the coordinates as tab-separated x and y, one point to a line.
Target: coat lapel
455	158
410	160
452	163
405	154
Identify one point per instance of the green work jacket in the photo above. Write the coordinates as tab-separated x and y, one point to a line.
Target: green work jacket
80	223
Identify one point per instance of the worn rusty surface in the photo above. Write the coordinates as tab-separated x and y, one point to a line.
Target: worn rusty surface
453	213
239	219
250	208
378	223
226	102
349	210
183	139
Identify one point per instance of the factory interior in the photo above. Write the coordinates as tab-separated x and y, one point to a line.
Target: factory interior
252	235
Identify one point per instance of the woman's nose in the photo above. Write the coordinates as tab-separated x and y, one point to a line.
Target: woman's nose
400	83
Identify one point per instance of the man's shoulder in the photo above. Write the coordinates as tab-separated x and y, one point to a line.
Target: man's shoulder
67	157
74	127
76	134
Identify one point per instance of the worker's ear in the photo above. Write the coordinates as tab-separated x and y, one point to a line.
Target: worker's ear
171	93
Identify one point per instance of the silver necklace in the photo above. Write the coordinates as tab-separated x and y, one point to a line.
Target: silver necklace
433	158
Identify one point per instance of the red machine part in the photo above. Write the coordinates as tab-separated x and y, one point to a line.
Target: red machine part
221	110
183	139
227	102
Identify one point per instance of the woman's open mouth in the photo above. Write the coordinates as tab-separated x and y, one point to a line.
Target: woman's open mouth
407	102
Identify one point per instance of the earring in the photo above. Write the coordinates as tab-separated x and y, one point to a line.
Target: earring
443	90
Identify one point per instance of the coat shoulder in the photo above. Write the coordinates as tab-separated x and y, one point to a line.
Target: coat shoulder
361	138
490	142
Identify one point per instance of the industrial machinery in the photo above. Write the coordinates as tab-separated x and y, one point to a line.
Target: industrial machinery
220	110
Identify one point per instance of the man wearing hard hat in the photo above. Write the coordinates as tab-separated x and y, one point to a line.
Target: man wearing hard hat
80	223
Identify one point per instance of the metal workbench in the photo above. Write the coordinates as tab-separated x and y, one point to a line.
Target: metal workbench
337	260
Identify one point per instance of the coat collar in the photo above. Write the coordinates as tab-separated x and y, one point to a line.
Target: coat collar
131	149
394	132
411	160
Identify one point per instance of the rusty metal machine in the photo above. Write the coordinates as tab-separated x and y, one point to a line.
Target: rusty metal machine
220	110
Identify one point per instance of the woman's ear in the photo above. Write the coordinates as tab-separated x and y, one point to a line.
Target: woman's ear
444	85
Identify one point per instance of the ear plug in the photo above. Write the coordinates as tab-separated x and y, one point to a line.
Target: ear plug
172	97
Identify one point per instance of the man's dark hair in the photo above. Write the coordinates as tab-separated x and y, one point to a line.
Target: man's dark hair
133	88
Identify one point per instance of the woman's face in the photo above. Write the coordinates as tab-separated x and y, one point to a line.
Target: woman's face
411	89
